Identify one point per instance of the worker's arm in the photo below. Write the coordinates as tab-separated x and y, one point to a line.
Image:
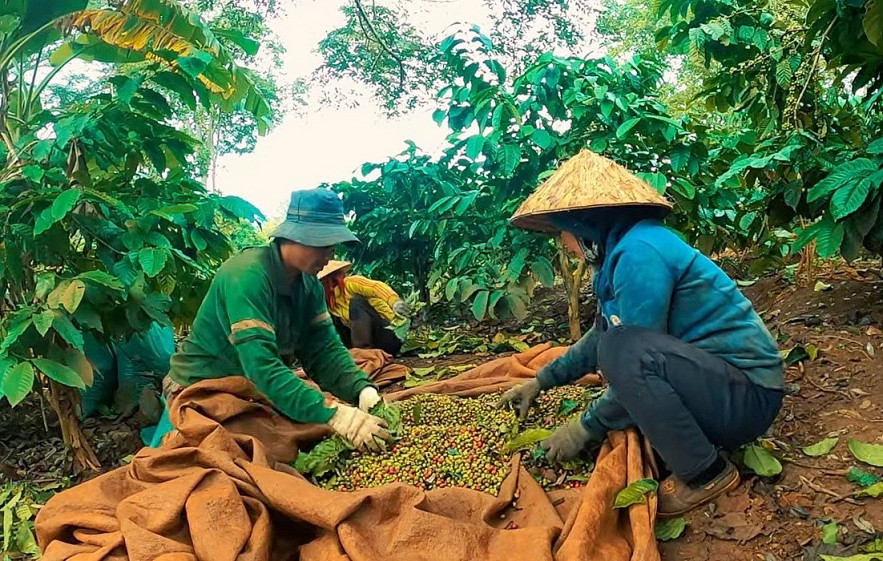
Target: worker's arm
580	359
379	294
643	287
326	361
253	333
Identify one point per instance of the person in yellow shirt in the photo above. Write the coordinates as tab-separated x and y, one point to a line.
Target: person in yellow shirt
362	309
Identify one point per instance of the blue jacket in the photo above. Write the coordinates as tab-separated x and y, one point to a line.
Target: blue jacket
650	278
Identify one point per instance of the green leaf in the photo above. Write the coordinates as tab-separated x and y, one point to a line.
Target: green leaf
474	146
248	45
60	207
861	478
683	188
875	147
152	260
871	454
527	438
33	172
24	539
13	332
745	33
542	270
567	406
829	533
822	447
873	22
43	321
126	86
598	145
829	238
511	158
7	528
842	174
59	372
479	305
177	83
627	126
875	491
198	240
193	66
542	139
875	546
322	458
679	157
102	278
670	529
66	329
655	180
784	73
860	557
451	288
17	382
759	460
634	493
517	308
848	198
9	23
168	211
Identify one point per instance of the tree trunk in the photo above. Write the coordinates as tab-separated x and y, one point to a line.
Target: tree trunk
64	401
572	284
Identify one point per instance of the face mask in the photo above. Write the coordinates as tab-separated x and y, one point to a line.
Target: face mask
592	252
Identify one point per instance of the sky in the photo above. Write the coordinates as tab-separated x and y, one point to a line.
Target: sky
326	144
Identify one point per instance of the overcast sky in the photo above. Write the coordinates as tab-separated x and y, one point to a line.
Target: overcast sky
324	143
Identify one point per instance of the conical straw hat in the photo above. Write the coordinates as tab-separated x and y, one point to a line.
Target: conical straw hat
333	267
585	181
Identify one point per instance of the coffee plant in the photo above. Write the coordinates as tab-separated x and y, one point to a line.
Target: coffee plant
105	229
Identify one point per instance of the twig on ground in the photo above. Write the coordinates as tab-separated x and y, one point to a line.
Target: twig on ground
837	497
817	469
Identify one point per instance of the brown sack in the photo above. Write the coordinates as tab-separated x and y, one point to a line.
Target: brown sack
215	491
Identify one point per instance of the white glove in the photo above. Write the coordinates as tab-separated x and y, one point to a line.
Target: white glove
368	398
400	308
360	428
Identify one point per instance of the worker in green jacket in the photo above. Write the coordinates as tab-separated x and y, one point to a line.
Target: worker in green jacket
266	307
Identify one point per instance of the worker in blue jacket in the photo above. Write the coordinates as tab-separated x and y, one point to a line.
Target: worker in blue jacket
686	358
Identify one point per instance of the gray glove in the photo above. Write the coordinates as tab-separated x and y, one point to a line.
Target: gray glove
568	441
522	397
401	309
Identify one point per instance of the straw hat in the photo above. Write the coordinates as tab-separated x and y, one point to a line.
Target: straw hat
585	181
333	267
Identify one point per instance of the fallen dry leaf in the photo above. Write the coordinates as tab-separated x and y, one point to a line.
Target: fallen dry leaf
733	526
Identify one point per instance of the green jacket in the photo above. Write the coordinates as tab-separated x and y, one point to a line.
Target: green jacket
252	318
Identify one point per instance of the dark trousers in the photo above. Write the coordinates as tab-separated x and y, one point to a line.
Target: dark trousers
685	400
367	330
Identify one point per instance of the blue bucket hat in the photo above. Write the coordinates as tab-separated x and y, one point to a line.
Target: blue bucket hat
315	218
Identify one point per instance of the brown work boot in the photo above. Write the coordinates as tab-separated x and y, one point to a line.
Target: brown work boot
676	497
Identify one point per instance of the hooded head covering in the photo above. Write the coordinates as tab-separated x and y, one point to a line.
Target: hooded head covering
598	230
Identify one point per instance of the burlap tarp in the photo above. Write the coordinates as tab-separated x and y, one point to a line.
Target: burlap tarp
219	488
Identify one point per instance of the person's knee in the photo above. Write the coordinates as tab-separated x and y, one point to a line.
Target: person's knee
622	354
